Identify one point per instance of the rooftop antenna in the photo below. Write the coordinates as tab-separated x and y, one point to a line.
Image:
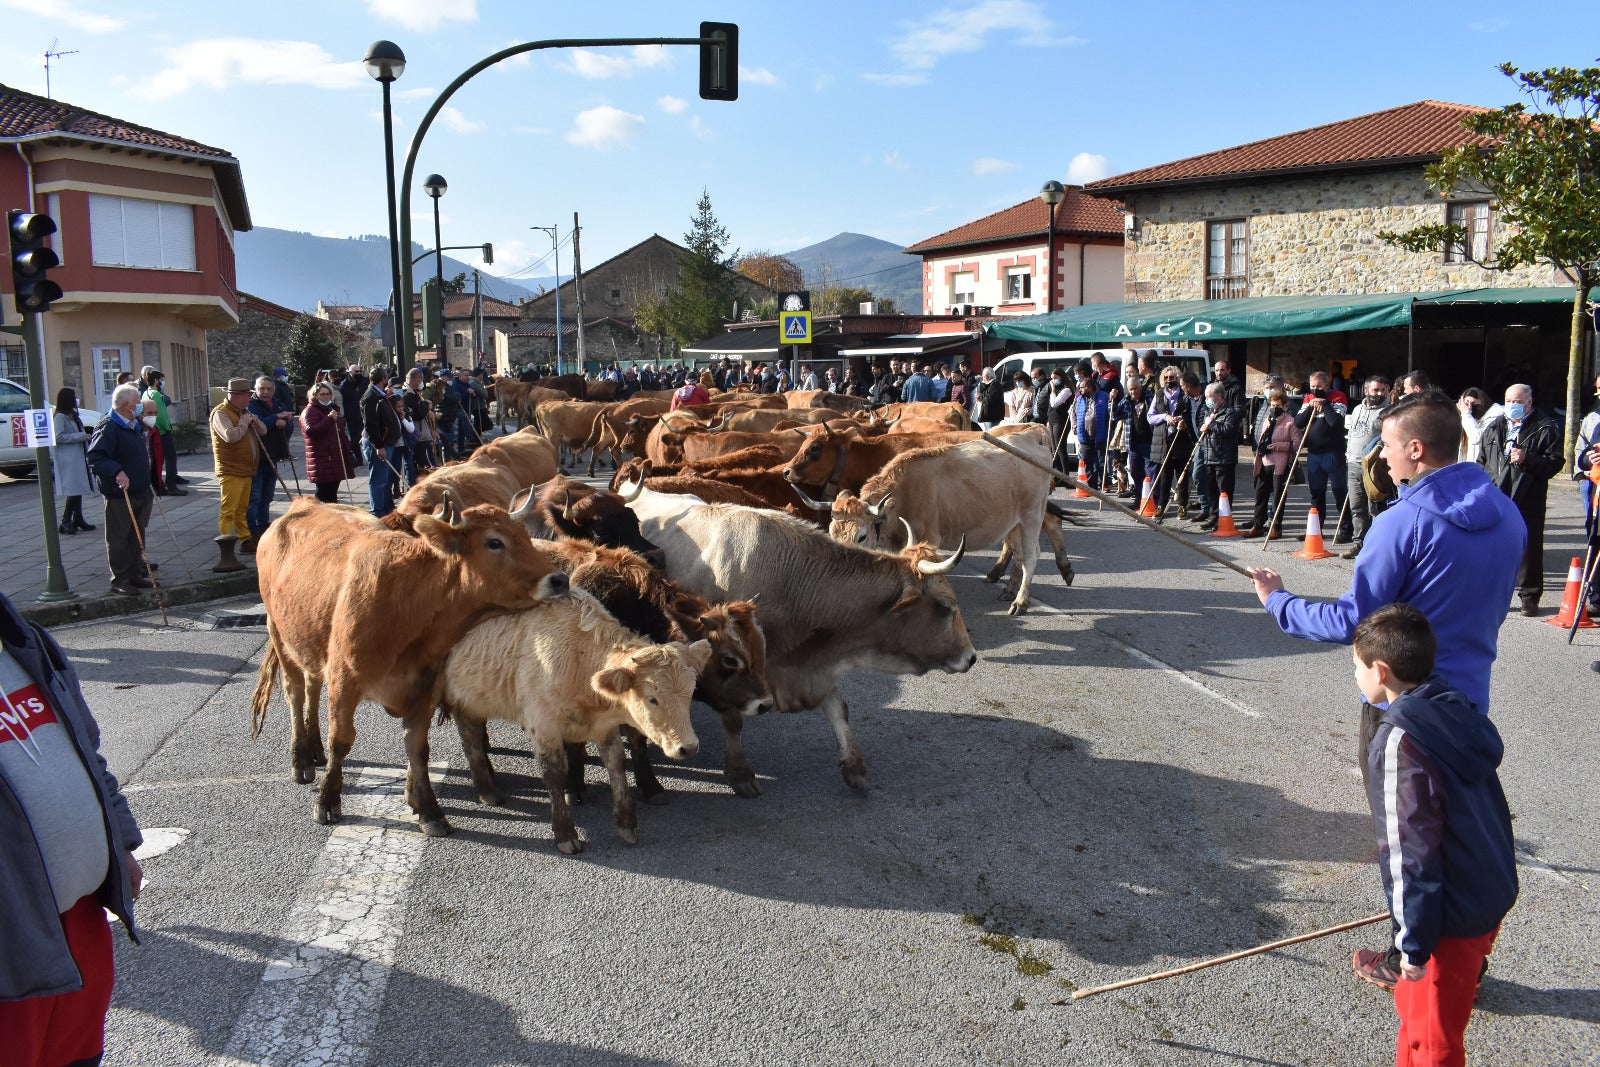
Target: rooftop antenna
49	54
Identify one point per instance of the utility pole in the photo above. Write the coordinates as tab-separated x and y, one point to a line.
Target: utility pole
477	320
577	284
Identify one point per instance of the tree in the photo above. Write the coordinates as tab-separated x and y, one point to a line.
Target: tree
458	284
309	349
776	272
701	300
1543	172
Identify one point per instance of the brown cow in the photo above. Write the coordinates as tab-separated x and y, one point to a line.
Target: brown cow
509	395
470	483
612	425
766	420
576	386
699	447
527	454
373	613
950	414
568	425
568	673
565	507
845	460
604	391
535	396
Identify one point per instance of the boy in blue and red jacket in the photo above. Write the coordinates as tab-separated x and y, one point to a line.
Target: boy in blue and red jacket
1443	827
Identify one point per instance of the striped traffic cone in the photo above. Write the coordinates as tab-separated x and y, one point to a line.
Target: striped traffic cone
1571	606
1225	526
1313	547
1083	479
1147	499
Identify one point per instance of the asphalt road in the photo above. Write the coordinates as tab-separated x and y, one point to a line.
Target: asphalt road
1140	773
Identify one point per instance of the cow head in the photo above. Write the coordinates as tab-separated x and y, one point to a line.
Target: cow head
734	678
853	521
636	432
599	516
494	560
654	684
820	457
926	631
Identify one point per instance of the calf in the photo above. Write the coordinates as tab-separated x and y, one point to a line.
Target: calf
566	507
568	673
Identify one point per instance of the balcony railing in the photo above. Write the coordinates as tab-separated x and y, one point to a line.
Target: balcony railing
1227	287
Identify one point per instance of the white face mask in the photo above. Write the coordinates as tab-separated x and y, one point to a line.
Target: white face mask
149	420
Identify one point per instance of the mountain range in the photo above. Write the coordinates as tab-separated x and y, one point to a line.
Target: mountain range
298	269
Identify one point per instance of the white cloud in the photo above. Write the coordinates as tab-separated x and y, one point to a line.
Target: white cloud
604	127
952	30
991	165
896	81
517	61
1087	167
1489	25
672	105
69	13
424	15
424	92
456	122
222	62
893	161
617	64
757	76
698	128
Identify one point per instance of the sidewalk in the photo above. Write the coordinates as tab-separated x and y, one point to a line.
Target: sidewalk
178	540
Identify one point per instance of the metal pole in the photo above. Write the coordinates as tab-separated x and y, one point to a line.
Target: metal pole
477	317
577	284
55	575
1050	263
401	334
555	250
438	258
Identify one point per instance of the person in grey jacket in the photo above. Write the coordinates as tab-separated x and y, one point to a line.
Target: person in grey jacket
70	463
66	854
1360	435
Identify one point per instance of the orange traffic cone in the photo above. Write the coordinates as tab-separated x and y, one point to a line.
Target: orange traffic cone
1570	605
1147	499
1313	547
1225	526
1083	479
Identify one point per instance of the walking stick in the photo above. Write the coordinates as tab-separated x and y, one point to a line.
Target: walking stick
144	556
296	472
1588	566
1204	550
1283	498
1079	994
176	548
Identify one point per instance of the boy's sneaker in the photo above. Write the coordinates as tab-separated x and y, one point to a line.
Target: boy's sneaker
1374	967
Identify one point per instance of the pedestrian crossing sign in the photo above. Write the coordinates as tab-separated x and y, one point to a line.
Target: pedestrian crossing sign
796	328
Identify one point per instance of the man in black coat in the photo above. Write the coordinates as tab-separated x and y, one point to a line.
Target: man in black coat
1521	451
121	464
351	390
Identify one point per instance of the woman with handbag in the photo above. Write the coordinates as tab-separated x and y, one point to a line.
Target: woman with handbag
71	464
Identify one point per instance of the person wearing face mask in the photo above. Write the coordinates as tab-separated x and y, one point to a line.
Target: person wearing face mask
1170	440
1521	451
1277	441
328	459
1321	421
1019	401
1361	436
1091	418
121	464
1041	398
1219	449
1476	409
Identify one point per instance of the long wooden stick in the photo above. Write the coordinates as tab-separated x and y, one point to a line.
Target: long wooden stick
1079	994
1215	557
155	586
1283	498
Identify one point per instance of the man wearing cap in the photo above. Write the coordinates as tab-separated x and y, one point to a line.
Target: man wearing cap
236	444
121	463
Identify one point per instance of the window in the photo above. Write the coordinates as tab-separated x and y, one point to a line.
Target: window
1472	216
14	363
1019	283
72	366
124	232
1227	259
962	288
52	207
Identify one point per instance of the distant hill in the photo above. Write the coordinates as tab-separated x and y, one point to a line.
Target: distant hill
298	269
865	262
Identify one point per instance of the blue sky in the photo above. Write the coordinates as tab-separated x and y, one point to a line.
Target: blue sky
894	119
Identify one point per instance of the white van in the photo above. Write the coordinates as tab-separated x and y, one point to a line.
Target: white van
1197	360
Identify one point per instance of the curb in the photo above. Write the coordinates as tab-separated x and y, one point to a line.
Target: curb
85	609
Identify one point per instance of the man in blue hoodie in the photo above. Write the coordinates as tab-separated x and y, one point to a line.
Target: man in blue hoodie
1444	831
1450	545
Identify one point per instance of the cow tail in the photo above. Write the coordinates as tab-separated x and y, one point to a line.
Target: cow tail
266	681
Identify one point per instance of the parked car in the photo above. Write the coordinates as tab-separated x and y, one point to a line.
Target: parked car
16	458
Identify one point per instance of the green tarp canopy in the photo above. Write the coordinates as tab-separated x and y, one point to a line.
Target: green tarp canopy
1163	322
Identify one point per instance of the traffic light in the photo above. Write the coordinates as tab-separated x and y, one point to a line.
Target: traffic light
432	315
30	258
488	253
719	61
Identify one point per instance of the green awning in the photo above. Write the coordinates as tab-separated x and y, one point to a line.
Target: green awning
1163	322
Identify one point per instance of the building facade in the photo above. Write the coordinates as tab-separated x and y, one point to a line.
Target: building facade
1002	262
146	228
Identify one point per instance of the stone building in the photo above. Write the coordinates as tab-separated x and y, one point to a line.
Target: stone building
1298	215
257	343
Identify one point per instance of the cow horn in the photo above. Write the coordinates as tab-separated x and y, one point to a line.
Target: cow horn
928	566
631	493
814	505
566	505
450	510
519	514
632	422
876	510
891	423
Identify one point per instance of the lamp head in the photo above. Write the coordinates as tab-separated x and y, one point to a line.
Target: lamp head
1052	192
435	186
384	61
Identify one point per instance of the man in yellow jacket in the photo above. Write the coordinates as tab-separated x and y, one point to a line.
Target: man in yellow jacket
236	450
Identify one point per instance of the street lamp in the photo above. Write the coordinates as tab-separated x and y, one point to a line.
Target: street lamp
1052	193
435	186
385	62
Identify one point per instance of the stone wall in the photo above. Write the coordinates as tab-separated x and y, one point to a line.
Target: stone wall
259	340
617	286
1306	235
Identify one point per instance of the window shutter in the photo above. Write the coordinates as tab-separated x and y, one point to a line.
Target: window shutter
177	237
141	233
105	231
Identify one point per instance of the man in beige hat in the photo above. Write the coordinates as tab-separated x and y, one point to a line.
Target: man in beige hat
236	449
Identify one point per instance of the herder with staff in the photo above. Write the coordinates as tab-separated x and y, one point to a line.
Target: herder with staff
1450	546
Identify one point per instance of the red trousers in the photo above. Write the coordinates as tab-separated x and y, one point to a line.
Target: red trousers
1434	1011
68	1027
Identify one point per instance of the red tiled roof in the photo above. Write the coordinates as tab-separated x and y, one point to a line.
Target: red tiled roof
1415	132
1076	214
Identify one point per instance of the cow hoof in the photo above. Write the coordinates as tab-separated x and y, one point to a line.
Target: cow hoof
570	848
305	775
1067	573
320	758
491	797
575	796
856	778
327	815
745	787
437	827
628	834
1018	608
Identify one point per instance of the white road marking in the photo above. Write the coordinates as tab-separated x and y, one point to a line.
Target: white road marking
158	840
318	1005
1189	680
190	783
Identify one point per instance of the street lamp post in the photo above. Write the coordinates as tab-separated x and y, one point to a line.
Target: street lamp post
555	251
435	186
1052	193
385	62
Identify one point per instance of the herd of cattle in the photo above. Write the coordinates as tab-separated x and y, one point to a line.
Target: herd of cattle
750	553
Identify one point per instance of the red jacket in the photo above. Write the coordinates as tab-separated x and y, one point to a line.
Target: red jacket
328	454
